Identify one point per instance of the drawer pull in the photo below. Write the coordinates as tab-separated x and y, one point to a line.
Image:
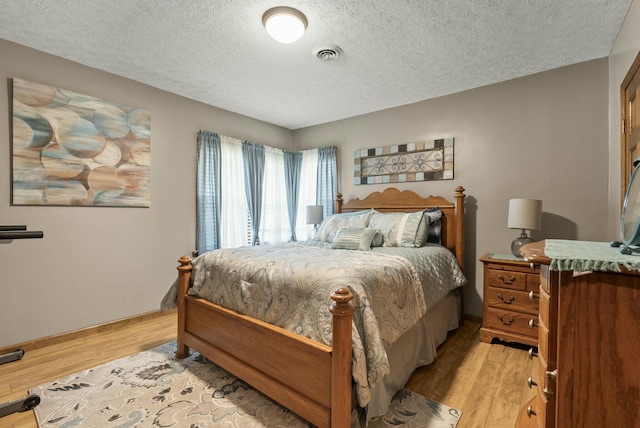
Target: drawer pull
549	375
532	354
511	320
511	299
532	266
532	324
508	281
533	295
531	383
530	411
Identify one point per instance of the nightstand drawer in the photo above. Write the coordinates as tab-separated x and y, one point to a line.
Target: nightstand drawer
512	322
507	279
511	300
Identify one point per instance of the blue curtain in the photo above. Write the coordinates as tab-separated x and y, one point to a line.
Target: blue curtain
208	192
292	164
327	186
253	155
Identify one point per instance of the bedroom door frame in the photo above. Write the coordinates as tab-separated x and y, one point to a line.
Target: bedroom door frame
629	124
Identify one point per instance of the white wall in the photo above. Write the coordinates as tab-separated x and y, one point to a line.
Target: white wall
542	136
97	265
623	53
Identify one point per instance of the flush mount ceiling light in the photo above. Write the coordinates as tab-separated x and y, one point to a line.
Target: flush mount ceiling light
285	24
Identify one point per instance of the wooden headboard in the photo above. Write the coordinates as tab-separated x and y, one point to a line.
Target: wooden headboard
394	200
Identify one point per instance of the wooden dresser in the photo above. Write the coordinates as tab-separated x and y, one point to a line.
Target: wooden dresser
589	349
510	302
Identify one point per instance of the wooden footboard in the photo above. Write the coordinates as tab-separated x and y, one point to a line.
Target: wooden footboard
309	378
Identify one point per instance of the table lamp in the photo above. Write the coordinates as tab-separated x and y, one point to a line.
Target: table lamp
524	214
314	216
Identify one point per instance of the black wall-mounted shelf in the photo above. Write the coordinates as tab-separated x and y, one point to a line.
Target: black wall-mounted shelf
19	232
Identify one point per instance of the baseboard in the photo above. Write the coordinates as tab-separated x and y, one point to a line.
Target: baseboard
472	318
84	332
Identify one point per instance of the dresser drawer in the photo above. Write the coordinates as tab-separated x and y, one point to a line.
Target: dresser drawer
543	343
512	322
546	403
528	419
533	282
544	280
511	300
540	407
544	306
507	279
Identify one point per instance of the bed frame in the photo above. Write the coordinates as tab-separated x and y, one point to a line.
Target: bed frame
309	378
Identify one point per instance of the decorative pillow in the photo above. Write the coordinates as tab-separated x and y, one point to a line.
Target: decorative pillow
378	239
354	239
400	229
435	225
330	225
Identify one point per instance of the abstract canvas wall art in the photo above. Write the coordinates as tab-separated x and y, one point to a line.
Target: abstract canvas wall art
418	161
70	149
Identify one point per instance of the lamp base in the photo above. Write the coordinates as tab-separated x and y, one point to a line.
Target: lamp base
518	243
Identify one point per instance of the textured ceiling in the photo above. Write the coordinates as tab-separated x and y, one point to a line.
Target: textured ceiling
395	52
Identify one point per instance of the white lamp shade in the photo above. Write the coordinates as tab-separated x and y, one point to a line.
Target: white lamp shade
284	24
525	214
314	214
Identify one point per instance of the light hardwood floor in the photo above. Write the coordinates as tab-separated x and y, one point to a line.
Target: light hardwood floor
486	381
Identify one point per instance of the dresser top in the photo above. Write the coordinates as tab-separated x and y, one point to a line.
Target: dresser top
579	256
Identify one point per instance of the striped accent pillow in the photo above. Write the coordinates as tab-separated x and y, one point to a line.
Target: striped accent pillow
354	239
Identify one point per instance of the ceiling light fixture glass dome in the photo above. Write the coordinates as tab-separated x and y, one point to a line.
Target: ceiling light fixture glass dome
284	24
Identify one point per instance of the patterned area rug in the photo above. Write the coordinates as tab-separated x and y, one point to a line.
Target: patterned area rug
154	389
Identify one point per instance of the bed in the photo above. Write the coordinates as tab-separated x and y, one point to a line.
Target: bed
315	377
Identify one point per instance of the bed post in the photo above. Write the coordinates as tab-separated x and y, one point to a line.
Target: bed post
184	280
459	213
341	378
459	227
338	203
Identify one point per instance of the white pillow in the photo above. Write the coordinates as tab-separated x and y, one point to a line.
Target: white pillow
401	229
330	225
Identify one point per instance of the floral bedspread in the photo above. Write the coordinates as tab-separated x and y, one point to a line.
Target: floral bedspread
290	286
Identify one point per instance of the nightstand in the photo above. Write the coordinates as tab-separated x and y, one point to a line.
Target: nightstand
510	303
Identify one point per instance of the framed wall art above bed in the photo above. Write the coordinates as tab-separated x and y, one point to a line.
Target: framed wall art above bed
417	161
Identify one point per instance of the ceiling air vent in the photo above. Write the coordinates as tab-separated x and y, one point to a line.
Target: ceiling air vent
327	52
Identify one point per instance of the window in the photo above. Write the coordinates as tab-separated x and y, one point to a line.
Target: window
235	224
307	195
274	224
223	215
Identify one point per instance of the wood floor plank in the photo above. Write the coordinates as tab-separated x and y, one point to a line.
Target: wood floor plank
514	373
450	354
499	414
463	376
484	389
